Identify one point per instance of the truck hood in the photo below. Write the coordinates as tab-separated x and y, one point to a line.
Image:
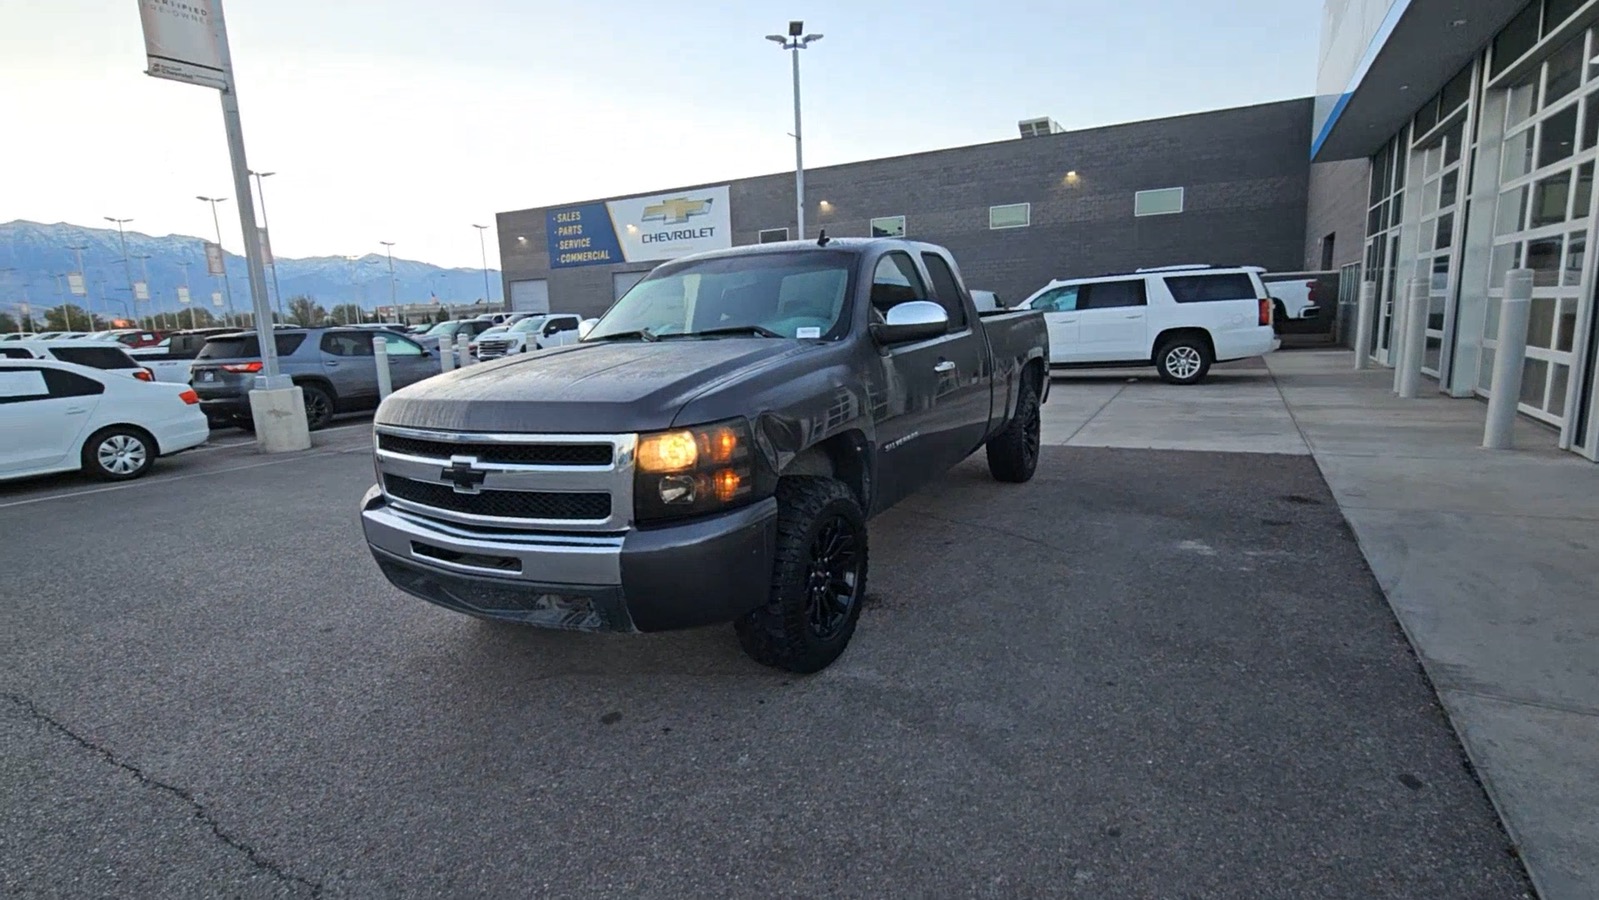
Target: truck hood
598	388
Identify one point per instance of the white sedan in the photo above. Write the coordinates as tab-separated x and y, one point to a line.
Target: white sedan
61	417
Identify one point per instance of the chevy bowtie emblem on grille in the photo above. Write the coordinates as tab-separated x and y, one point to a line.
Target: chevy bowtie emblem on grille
676	210
461	473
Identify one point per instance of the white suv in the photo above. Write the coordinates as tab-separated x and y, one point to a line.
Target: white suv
534	332
1179	319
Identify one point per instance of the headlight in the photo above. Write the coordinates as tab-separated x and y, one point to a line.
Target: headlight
693	471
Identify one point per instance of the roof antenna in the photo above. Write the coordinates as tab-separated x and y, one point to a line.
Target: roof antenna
822	238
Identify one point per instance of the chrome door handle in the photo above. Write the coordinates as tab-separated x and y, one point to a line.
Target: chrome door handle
944	366
332	364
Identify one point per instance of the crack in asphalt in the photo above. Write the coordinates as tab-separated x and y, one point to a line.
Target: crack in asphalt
200	812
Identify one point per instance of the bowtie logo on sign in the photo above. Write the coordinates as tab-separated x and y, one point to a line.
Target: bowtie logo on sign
676	211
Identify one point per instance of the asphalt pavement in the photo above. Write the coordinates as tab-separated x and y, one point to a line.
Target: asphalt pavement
1145	674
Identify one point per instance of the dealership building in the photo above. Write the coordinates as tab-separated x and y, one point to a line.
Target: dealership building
1228	186
1472	130
1450	141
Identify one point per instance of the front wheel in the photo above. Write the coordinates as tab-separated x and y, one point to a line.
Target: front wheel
1184	360
818	578
1013	453
118	453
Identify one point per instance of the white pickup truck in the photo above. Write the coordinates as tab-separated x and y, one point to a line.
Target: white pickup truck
171	359
535	332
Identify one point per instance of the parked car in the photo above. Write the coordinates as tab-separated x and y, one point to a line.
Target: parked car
94	354
986	301
334	367
534	332
17	336
128	337
171	358
711	451
1179	319
59	417
448	331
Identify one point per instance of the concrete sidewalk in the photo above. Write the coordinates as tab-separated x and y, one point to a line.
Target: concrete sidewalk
1491	563
1488	559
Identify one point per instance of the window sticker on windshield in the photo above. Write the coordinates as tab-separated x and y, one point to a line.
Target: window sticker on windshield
809	332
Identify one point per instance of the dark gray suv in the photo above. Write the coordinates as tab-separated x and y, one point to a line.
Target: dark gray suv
334	367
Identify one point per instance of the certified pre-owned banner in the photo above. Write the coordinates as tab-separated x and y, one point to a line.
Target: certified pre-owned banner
640	229
180	41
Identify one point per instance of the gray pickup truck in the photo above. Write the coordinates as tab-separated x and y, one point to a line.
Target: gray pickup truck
710	451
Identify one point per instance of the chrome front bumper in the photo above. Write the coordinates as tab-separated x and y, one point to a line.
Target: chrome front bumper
700	572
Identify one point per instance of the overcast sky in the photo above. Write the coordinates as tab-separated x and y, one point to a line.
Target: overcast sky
409	121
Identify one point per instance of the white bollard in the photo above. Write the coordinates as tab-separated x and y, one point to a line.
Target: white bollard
446	356
1365	314
1498	431
1414	351
463	348
380	351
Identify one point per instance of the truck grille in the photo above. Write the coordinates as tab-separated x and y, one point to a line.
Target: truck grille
521	482
521	454
590	505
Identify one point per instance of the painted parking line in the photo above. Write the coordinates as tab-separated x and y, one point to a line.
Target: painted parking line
164	479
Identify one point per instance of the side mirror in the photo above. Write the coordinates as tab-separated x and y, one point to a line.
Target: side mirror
914	320
586	326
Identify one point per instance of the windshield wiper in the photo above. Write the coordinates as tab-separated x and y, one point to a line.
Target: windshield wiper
643	334
758	330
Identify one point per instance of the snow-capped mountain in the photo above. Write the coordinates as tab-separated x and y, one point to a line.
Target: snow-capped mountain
39	256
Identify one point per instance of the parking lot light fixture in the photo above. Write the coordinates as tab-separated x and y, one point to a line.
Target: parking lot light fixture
483	249
394	297
795	41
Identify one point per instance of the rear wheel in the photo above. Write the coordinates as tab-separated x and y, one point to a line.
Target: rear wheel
318	406
818	578
1183	360
118	453
1013	453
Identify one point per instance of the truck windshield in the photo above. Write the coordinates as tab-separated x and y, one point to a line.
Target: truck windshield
527	325
801	294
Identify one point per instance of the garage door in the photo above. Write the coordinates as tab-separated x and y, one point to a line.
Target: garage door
532	295
622	282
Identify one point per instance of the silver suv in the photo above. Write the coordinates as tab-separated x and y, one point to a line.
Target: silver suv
334	367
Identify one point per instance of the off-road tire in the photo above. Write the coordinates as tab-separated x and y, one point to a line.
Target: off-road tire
118	453
1183	360
783	633
318	407
1013	453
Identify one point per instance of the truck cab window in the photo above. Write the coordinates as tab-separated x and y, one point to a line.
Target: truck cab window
895	281
946	290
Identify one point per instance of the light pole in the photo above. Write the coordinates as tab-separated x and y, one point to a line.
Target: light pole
184	265
227	286
795	41
155	307
483	249
266	227
394	298
126	267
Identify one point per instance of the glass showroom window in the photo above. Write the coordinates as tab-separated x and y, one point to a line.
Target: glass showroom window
1385	205
1543	220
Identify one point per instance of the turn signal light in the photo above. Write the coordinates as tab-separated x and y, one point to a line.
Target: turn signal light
189	397
727	482
243	367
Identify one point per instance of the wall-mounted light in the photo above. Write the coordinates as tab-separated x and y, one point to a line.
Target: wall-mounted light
825	206
632	229
1071	177
521	239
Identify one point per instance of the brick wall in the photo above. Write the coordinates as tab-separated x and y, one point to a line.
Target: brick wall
1336	206
1245	173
